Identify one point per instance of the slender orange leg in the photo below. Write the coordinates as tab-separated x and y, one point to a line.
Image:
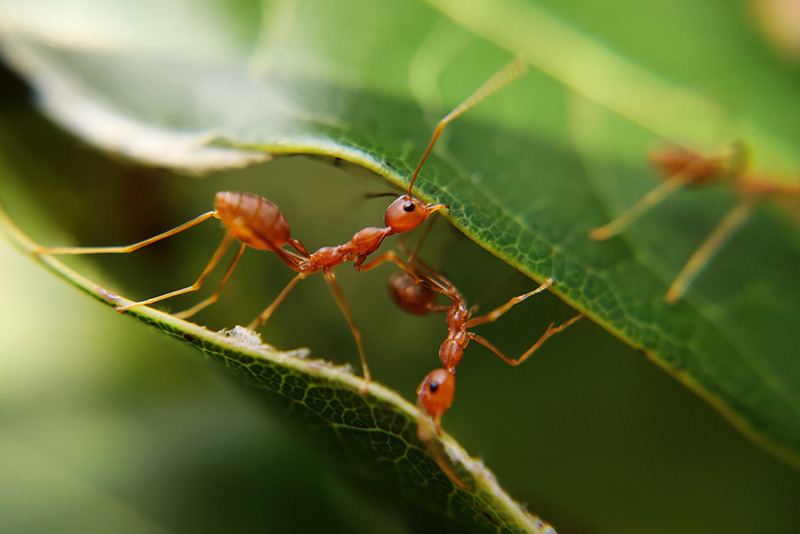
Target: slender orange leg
412	256
724	230
652	198
500	310
514	362
127	248
266	314
215	296
389	256
223	246
298	246
342	302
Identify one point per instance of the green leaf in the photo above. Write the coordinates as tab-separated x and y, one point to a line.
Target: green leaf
527	174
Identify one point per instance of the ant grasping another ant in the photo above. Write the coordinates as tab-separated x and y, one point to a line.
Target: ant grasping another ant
258	223
682	167
417	294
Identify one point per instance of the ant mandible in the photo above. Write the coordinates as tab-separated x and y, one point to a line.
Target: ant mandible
258	223
683	167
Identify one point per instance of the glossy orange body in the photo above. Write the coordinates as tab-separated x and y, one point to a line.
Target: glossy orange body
258	223
452	349
253	220
436	392
417	299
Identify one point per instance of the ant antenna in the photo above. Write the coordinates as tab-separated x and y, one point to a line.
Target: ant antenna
379	195
510	72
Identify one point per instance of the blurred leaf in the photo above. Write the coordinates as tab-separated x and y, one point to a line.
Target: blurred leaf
527	183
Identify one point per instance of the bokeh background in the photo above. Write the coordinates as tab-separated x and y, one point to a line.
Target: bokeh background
106	425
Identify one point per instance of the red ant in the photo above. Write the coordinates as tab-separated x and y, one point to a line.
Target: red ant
418	294
684	167
258	223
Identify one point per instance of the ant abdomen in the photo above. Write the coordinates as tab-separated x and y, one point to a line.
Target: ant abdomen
252	219
412	297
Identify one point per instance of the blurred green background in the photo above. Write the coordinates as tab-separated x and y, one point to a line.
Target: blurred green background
106	425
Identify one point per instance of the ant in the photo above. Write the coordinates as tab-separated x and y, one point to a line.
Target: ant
683	167
418	295
258	223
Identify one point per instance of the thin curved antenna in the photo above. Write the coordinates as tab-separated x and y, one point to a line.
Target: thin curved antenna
510	72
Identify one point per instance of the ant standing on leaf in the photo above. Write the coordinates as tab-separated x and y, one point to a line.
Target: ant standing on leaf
683	167
256	222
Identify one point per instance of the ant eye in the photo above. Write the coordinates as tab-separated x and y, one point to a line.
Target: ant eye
409	207
433	387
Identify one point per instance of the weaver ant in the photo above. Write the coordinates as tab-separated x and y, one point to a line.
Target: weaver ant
435	393
418	295
258	223
683	167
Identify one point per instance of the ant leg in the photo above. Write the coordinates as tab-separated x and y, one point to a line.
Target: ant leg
262	318
420	275
299	247
652	198
223	246
412	256
388	256
340	300
500	310
700	258
127	248
514	362
215	296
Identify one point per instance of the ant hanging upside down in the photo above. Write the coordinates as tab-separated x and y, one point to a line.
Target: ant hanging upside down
258	223
417	293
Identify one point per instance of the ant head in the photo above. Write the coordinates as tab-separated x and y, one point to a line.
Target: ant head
436	392
407	212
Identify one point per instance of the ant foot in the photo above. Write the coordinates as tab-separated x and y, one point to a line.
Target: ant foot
364	389
123	309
